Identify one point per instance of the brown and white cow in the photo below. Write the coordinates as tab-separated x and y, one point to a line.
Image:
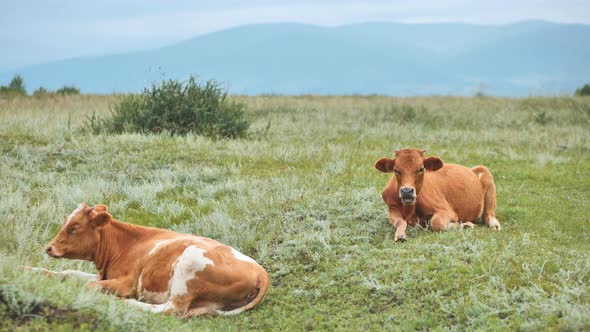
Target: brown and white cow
449	195
164	270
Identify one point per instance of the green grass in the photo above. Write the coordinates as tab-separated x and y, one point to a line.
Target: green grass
303	199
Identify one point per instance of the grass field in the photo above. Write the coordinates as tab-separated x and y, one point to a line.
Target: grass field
302	198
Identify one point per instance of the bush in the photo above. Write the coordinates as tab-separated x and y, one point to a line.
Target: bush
68	90
541	118
15	88
40	92
178	108
481	91
17	84
408	113
583	91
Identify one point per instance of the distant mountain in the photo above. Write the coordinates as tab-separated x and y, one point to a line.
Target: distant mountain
532	57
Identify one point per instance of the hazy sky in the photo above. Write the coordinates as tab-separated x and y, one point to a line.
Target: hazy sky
40	31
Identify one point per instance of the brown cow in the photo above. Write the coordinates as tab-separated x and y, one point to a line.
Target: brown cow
164	270
449	195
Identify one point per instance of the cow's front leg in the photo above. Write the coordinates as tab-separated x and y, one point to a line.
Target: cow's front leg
400	224
121	287
442	221
66	274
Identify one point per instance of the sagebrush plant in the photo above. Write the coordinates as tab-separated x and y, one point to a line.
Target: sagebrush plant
304	201
68	90
178	107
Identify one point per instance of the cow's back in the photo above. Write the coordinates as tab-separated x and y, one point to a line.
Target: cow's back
156	263
186	264
453	186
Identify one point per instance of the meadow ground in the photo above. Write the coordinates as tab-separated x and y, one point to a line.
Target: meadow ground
302	197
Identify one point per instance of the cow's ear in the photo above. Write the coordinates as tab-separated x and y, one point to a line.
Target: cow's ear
385	165
433	163
100	208
101	219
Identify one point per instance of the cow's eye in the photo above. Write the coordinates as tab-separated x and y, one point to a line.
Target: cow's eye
72	230
421	170
397	172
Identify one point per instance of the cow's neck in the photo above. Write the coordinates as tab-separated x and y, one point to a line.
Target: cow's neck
115	239
409	213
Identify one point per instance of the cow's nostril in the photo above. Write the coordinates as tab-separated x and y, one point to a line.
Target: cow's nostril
407	190
48	250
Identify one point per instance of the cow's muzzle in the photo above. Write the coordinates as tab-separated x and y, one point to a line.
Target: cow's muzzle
51	251
407	195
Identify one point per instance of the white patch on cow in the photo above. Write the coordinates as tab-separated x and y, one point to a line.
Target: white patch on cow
159	243
154	308
74	213
139	288
494	223
242	257
479	175
190	262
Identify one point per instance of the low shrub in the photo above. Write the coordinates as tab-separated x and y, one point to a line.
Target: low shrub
68	90
583	91
41	92
177	108
15	88
408	113
541	118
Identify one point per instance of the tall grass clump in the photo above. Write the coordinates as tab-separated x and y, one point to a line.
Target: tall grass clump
177	108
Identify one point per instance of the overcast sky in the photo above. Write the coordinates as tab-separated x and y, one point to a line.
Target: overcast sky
40	31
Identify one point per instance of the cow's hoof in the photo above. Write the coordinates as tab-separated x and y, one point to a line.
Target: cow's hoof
495	224
401	238
467	225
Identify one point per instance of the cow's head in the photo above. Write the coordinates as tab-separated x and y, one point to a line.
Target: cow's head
80	233
409	166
